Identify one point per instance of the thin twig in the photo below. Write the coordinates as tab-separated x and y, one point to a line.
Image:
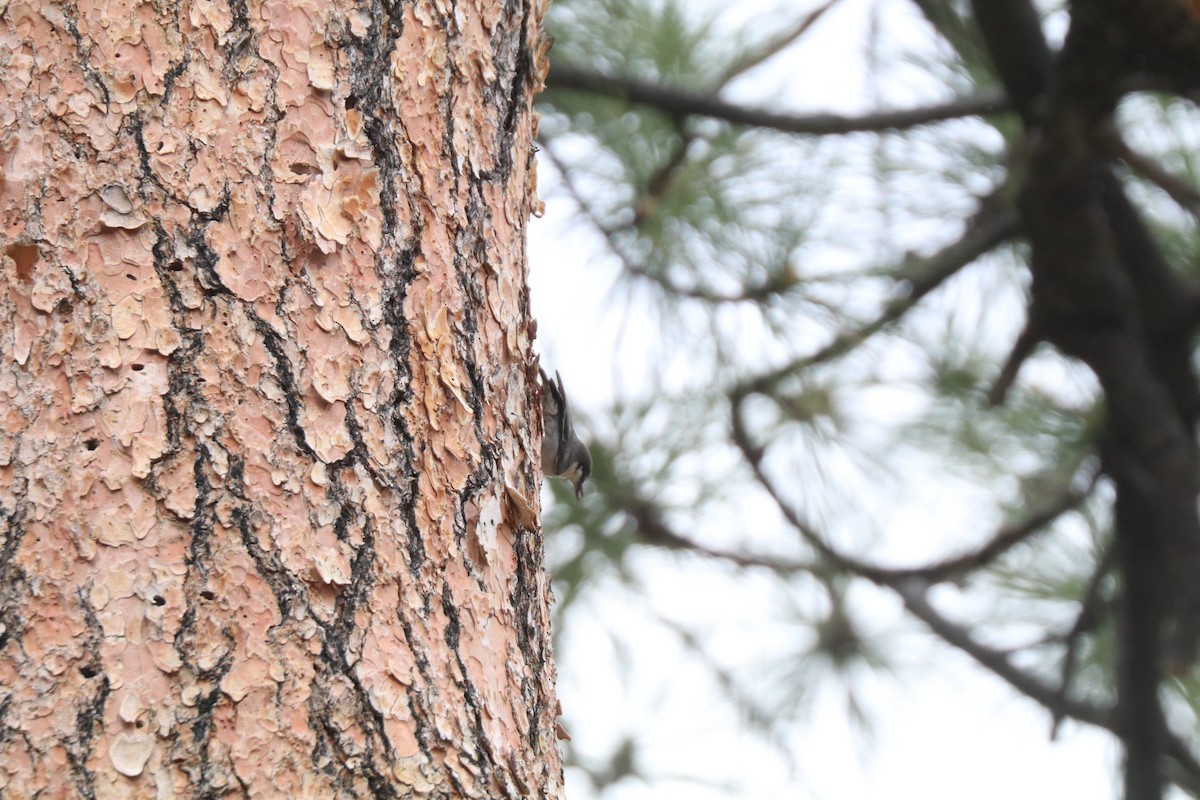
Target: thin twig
912	592
654	531
660	182
774	46
1000	543
1085	621
1021	350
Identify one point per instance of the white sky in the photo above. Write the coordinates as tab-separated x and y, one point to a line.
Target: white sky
943	730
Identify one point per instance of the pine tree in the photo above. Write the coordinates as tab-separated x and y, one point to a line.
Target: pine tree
984	289
268	471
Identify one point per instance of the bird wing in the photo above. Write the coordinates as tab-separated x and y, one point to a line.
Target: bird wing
566	428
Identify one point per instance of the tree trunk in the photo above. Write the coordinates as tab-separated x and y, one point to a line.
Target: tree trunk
268	438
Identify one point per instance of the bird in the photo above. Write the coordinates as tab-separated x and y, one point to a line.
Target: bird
564	455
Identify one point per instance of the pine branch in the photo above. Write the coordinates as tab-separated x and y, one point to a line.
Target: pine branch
1021	350
916	600
1085	621
1013	34
1105	294
912	590
776	45
947	569
777	283
683	102
653	530
990	227
1183	193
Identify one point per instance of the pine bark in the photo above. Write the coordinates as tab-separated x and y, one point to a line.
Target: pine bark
268	476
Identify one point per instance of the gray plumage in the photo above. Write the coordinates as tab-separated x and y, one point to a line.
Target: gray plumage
563	454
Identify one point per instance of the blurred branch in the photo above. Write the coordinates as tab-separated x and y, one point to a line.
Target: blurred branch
752	59
751	710
943	570
683	102
756	293
779	282
608	232
989	227
1013	34
912	590
958	29
1179	190
1001	542
1108	296
1085	622
914	595
654	531
660	182
916	600
1021	350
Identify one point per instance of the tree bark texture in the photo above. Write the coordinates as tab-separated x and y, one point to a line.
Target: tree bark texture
267	432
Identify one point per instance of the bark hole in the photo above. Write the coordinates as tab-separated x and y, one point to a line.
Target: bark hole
24	256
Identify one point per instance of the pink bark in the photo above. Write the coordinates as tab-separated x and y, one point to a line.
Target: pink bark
266	350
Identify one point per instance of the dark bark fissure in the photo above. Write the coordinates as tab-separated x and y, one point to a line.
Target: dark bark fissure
286	589
199	558
337	631
202	725
135	125
335	655
183	399
275	345
183	390
514	69
328	748
368	60
470	695
84	51
183	403
239	42
89	714
470	253
514	56
172	76
12	577
527	601
199	568
10	732
424	730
